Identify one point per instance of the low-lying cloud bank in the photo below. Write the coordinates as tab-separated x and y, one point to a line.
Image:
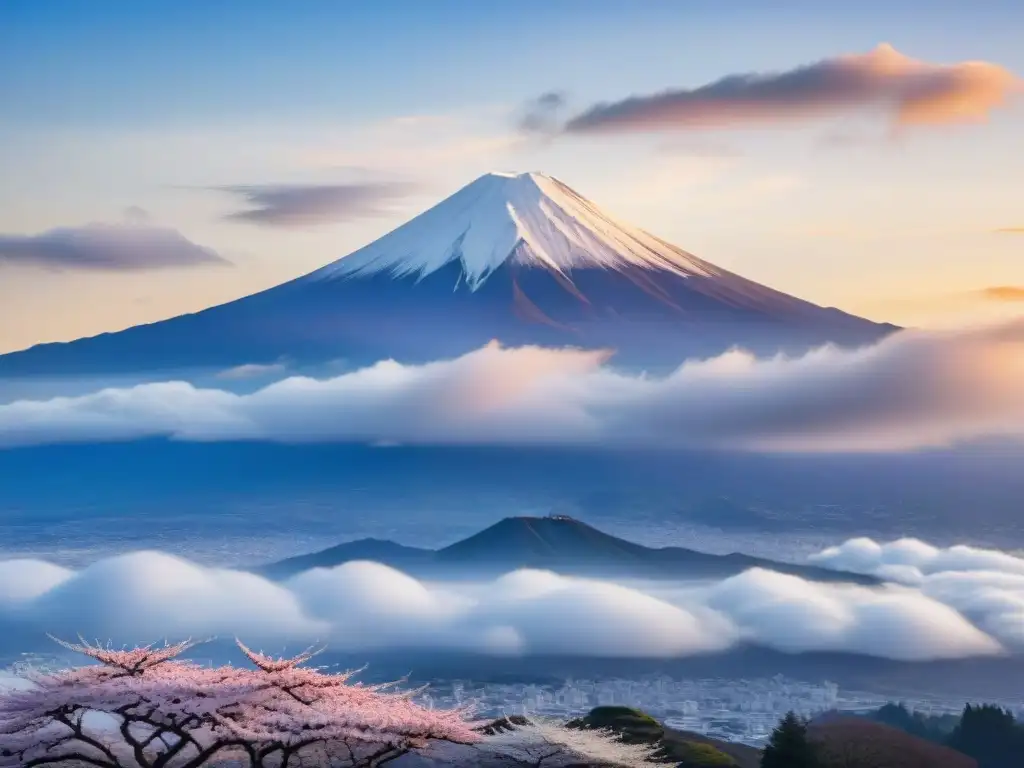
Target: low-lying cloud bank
912	390
986	586
364	606
912	561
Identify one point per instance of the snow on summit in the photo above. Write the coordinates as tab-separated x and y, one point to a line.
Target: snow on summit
531	218
518	258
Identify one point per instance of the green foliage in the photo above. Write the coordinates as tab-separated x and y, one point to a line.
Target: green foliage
638	727
692	754
789	746
630	722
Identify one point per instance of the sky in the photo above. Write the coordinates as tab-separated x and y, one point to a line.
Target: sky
236	145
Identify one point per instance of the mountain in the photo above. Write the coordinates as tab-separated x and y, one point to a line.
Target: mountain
557	543
522	259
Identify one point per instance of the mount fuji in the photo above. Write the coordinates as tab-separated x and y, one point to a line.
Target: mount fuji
520	258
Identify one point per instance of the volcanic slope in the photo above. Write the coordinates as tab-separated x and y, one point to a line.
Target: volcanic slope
522	259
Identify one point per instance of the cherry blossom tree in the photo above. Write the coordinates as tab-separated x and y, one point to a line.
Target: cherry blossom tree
146	708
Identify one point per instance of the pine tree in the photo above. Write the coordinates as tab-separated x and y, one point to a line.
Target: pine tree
789	746
990	735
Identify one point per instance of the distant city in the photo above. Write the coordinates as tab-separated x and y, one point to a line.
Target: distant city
741	710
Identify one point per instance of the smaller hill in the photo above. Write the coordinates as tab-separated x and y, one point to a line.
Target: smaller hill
681	748
856	742
378	550
541	540
556	542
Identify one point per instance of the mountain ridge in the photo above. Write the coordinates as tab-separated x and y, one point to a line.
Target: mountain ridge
555	542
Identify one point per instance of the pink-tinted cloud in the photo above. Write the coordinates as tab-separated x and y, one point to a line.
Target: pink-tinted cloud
1003	293
912	390
909	91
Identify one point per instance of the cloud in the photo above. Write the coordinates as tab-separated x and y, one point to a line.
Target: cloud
909	92
133	245
253	371
790	614
1003	293
1010	231
364	606
133	214
473	398
912	561
285	205
912	390
542	114
940	306
985	586
14	587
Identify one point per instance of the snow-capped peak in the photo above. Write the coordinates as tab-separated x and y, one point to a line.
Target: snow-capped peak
530	218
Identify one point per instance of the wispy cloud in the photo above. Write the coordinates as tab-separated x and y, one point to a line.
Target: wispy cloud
252	371
296	205
949	309
136	215
909	91
131	246
910	391
1003	293
542	114
1010	231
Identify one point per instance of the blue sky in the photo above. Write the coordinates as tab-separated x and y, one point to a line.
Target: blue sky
115	105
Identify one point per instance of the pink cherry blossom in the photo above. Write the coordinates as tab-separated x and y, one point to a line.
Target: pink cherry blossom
145	708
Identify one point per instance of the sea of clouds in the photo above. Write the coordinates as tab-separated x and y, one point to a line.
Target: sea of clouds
914	389
985	586
937	603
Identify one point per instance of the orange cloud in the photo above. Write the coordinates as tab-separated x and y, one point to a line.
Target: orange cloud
912	92
1010	231
1004	293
